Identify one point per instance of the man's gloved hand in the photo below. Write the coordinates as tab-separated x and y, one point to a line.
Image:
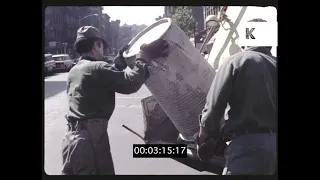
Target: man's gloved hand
123	49
156	49
208	147
119	60
205	146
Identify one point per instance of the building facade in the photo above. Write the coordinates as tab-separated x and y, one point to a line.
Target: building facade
114	34
55	24
197	12
136	29
106	28
62	23
125	35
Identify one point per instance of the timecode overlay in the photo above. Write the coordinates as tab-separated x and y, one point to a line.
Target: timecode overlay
159	150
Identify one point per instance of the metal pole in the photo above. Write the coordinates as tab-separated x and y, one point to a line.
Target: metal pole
194	33
100	24
208	37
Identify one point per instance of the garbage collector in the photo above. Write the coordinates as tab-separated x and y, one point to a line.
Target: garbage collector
247	81
91	87
211	21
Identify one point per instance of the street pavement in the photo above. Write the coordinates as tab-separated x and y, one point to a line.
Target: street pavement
128	111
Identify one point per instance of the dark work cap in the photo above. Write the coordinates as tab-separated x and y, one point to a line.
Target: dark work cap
87	32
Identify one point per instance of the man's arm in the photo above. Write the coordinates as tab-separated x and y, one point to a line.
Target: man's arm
124	82
116	62
127	82
119	61
119	64
217	100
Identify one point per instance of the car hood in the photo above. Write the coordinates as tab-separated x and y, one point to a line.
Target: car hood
49	62
59	61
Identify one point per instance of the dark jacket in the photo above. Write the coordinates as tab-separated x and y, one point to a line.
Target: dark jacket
91	87
247	81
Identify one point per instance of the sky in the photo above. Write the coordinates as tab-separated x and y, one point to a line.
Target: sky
134	14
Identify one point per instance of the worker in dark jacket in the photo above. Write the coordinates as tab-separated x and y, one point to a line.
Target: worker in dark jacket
247	81
91	87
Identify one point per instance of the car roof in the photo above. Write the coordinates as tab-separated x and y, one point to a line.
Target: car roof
60	55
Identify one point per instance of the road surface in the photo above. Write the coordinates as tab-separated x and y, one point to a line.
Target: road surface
128	111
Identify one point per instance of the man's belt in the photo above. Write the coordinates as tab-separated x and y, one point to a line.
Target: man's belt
241	132
80	124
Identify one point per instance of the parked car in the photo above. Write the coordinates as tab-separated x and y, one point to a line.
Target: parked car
49	64
63	62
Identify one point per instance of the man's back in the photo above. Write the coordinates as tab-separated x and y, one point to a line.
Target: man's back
253	99
88	98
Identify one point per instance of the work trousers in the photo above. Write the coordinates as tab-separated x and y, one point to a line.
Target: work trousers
252	154
86	149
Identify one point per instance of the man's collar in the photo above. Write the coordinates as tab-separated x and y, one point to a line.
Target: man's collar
88	58
261	49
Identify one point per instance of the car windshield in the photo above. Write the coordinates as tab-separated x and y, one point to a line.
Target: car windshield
60	58
49	58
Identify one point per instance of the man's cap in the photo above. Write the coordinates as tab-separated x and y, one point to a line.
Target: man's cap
211	18
87	32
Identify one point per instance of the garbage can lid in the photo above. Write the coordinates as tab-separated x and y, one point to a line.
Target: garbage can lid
148	35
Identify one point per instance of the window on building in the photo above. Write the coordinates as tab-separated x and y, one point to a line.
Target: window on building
66	19
58	19
57	35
